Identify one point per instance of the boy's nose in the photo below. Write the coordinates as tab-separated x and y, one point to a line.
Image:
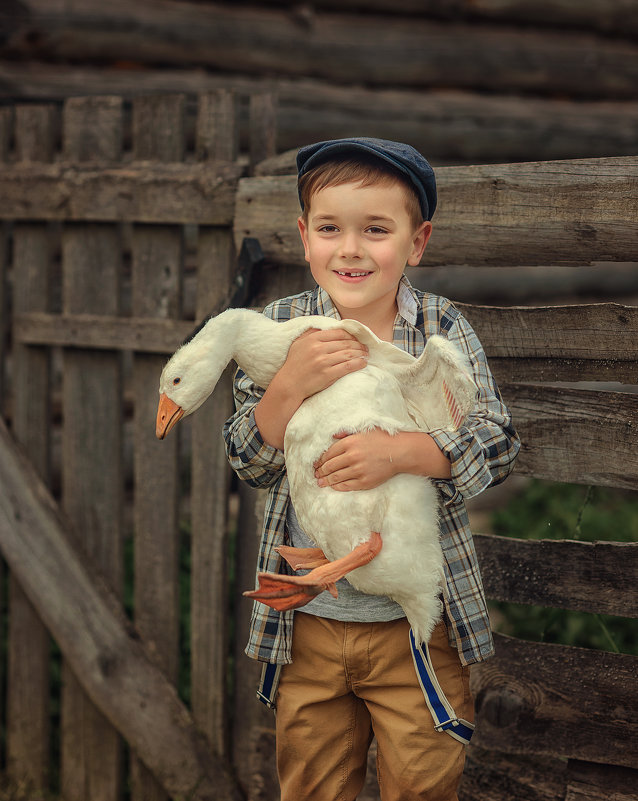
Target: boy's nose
350	246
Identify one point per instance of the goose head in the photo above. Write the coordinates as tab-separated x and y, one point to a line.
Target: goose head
256	343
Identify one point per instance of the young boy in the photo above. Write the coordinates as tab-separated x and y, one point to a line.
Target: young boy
348	668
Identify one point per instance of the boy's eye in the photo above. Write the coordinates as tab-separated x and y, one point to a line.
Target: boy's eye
375	229
328	229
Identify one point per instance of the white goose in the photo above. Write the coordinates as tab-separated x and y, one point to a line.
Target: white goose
394	392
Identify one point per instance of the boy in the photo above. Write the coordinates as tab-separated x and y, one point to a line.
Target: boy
348	668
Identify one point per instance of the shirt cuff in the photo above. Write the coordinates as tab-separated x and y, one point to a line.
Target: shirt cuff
470	473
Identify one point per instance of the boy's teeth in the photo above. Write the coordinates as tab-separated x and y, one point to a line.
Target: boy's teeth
352	275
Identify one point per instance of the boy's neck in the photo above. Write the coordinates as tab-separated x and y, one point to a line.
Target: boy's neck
379	321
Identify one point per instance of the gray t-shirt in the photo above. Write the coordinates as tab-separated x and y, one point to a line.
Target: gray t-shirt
352	605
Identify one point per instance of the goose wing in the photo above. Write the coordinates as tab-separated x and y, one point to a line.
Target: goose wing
439	387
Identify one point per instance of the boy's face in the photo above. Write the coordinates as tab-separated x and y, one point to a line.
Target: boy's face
358	241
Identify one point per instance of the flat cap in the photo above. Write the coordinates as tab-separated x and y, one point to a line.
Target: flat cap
403	158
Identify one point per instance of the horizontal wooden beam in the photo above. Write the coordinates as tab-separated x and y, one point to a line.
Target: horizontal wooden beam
100	644
143	335
579	331
557	701
145	192
576	435
449	126
536	213
607	16
596	577
580	334
363	49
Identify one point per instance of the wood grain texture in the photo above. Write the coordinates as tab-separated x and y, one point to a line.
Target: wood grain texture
557	701
563	212
576	435
101	645
448	125
139	192
157	268
596	577
28	720
414	51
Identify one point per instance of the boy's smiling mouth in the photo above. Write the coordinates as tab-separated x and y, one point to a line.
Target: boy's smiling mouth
353	273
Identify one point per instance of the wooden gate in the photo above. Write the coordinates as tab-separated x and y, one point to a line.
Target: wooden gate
119	225
120	230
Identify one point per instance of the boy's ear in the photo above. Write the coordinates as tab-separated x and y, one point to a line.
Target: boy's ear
419	241
303	231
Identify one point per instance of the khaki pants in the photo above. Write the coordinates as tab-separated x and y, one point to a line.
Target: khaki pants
350	681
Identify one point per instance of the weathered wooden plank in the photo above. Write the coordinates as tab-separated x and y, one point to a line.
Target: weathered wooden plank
151	193
557	701
98	331
598	342
599	577
28	719
448	126
91	749
218	134
157	267
588	781
584	331
575	435
253	753
97	639
263	127
487	215
619	16
491	776
414	51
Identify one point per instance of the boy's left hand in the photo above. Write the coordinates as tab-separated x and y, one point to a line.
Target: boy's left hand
359	461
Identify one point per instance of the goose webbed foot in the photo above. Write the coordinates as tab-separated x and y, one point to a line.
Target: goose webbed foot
302	558
291	592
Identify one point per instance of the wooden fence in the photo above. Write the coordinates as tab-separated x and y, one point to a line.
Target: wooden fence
110	255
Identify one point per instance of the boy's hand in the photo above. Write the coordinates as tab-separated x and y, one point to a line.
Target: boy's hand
357	461
317	358
363	461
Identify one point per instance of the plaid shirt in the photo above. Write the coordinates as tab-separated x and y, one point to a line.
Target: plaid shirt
481	453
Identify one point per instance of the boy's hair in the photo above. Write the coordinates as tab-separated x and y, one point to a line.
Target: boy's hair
361	169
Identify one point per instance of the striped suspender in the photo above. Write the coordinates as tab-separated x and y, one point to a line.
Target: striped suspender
442	712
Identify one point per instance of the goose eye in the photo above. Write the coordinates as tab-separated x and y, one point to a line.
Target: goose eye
176	380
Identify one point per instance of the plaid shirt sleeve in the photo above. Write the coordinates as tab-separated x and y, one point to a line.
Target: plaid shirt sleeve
483	450
254	461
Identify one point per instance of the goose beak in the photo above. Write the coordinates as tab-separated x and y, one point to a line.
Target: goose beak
168	413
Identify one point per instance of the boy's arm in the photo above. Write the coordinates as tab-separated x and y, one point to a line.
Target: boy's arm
478	454
254	434
315	360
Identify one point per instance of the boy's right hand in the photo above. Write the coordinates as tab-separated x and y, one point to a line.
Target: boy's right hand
315	360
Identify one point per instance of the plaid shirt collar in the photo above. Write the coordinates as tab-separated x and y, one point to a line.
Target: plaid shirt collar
407	303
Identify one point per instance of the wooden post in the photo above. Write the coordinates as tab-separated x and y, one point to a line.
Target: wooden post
28	723
263	127
217	139
91	749
156	292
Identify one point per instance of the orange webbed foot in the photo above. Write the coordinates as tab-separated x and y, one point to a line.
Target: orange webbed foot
290	592
302	558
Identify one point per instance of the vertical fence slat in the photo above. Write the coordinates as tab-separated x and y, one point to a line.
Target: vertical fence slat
91	749
217	138
28	724
263	127
253	740
156	292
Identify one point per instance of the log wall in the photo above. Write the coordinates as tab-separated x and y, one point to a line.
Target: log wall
114	247
465	81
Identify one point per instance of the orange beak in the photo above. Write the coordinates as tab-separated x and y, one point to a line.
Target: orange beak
168	413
